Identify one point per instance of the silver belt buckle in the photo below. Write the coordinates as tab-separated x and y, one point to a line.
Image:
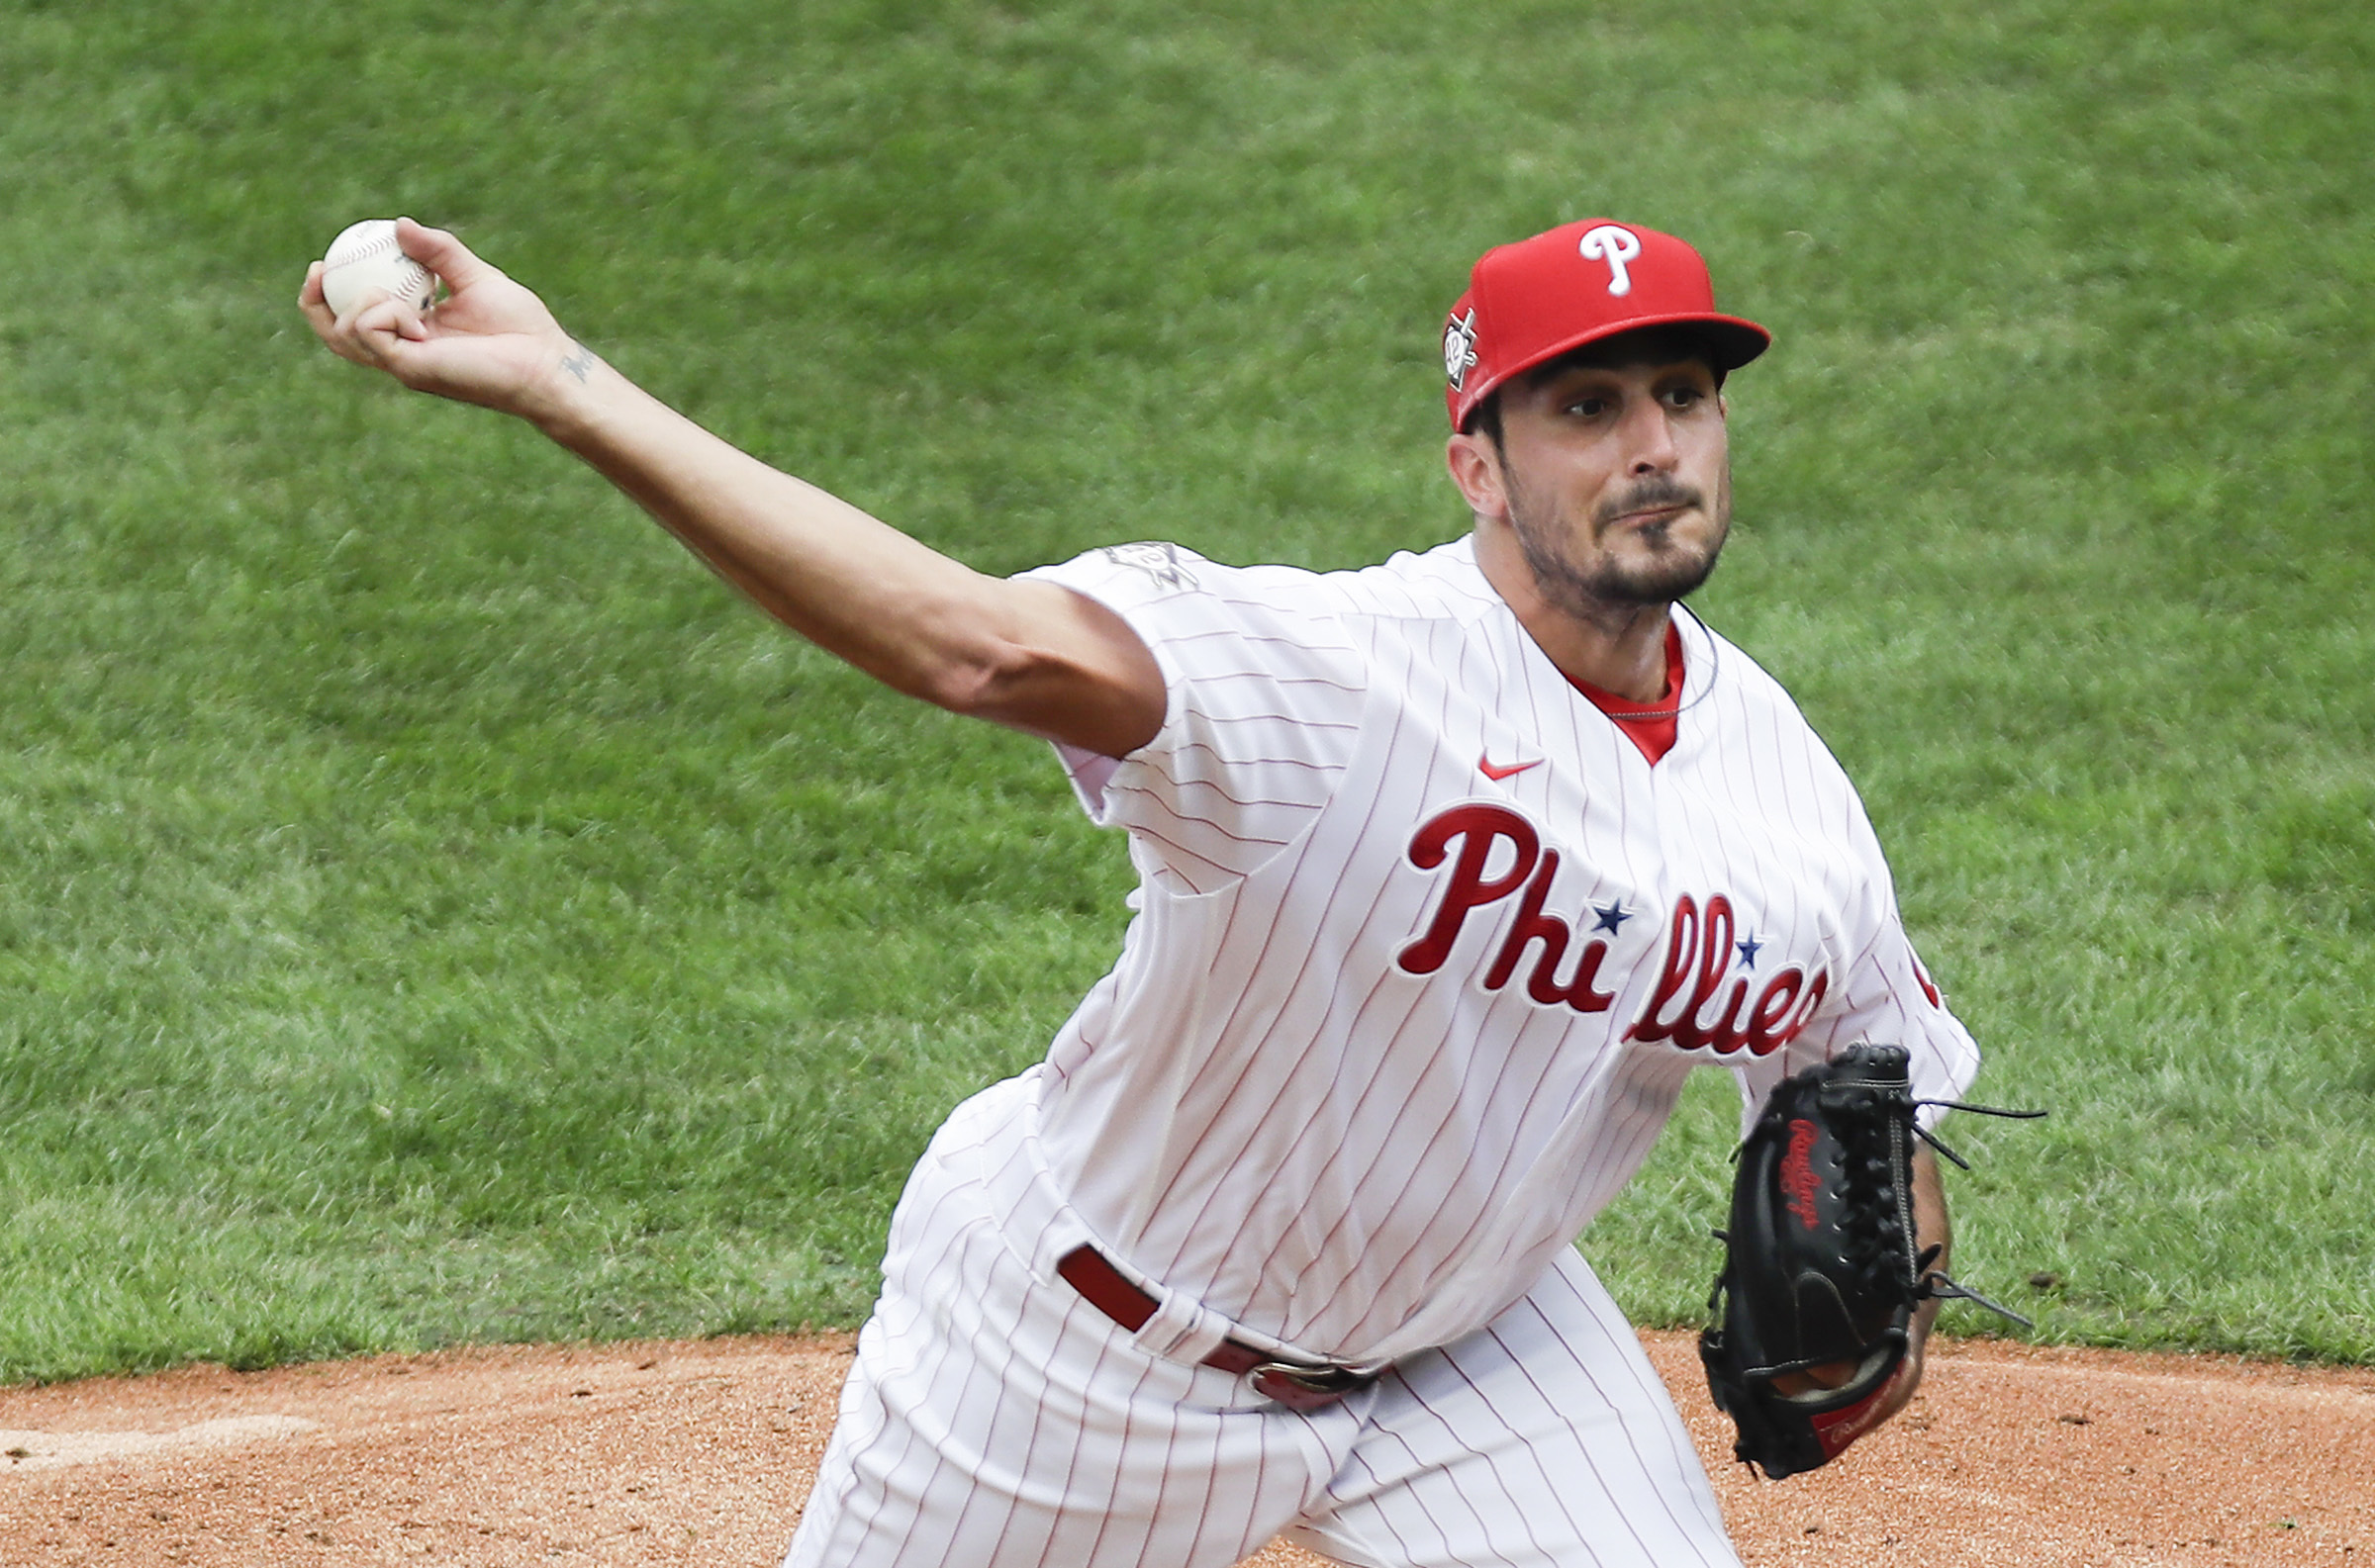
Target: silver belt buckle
1303	1388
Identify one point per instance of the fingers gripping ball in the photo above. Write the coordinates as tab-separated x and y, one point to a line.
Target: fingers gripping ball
365	258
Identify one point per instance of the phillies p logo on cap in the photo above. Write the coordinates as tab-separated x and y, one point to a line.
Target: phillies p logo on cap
1574	285
1616	246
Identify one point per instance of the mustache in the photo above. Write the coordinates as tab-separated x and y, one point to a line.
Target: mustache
1656	491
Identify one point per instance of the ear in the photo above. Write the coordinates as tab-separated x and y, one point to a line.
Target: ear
1475	467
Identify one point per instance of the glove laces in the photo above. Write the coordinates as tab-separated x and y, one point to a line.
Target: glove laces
1934	1282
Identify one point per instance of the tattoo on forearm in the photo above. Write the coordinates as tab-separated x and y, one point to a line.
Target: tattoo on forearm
580	363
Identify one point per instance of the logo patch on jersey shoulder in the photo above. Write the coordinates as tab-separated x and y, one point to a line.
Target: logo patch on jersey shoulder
1159	560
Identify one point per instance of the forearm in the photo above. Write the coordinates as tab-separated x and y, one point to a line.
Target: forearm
1930	1229
913	619
1027	654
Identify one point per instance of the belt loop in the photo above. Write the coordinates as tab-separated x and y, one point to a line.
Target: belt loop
1178	1327
1183	1329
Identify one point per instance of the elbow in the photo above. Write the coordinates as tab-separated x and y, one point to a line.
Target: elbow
1056	666
1038	693
942	650
979	683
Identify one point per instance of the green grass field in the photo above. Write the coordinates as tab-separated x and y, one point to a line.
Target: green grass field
432	909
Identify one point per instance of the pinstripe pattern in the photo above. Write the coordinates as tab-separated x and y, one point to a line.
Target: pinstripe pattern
995	1419
1388	1026
1264	1110
1543	1439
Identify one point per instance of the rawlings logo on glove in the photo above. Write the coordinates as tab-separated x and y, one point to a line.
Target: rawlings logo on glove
1797	1172
1821	1275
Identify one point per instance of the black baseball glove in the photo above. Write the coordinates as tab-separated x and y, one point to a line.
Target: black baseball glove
1821	1268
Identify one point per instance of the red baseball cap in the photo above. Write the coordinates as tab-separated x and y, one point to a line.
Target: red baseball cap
1577	284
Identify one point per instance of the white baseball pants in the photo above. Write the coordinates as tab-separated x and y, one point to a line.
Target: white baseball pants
994	1418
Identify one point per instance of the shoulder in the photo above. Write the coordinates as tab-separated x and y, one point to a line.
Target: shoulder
1441	576
1128	575
1437	585
1168	591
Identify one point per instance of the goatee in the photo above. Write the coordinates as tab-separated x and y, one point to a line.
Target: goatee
1670	569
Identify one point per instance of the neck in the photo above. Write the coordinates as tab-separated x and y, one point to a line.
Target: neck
1617	647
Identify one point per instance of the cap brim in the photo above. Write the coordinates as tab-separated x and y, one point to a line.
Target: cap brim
1737	340
1731	339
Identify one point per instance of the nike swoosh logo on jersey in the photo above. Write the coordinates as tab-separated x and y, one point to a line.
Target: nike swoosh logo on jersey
1499	771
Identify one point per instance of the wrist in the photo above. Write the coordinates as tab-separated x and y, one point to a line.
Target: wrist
567	401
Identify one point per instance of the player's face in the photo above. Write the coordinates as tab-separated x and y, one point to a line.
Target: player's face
1617	481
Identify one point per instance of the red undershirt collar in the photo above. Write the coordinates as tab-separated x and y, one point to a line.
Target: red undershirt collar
1650	726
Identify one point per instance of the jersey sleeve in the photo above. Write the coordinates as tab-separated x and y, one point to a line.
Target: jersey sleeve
1263	690
1884	996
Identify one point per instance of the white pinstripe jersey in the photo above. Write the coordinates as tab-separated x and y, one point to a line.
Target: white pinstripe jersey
1423	946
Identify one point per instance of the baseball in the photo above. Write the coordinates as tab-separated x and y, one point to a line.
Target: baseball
365	258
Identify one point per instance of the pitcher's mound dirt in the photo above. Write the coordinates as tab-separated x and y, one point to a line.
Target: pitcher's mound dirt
702	1452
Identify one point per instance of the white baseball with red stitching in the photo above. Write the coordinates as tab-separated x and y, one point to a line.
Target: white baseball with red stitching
365	258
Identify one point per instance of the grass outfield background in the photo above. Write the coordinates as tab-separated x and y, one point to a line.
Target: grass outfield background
432	909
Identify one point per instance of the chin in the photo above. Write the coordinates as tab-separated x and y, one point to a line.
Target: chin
1668	575
1658	566
1662	589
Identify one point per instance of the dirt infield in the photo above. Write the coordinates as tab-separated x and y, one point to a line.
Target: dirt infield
701	1454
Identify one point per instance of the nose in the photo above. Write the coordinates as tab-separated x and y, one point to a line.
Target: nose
1649	439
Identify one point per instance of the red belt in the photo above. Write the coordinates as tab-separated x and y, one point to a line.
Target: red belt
1293	1385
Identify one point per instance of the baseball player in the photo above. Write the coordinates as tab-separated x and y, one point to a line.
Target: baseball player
1450	869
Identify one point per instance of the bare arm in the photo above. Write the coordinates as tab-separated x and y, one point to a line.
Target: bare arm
1930	1229
1030	655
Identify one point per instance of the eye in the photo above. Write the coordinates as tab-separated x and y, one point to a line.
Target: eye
1588	408
1685	396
